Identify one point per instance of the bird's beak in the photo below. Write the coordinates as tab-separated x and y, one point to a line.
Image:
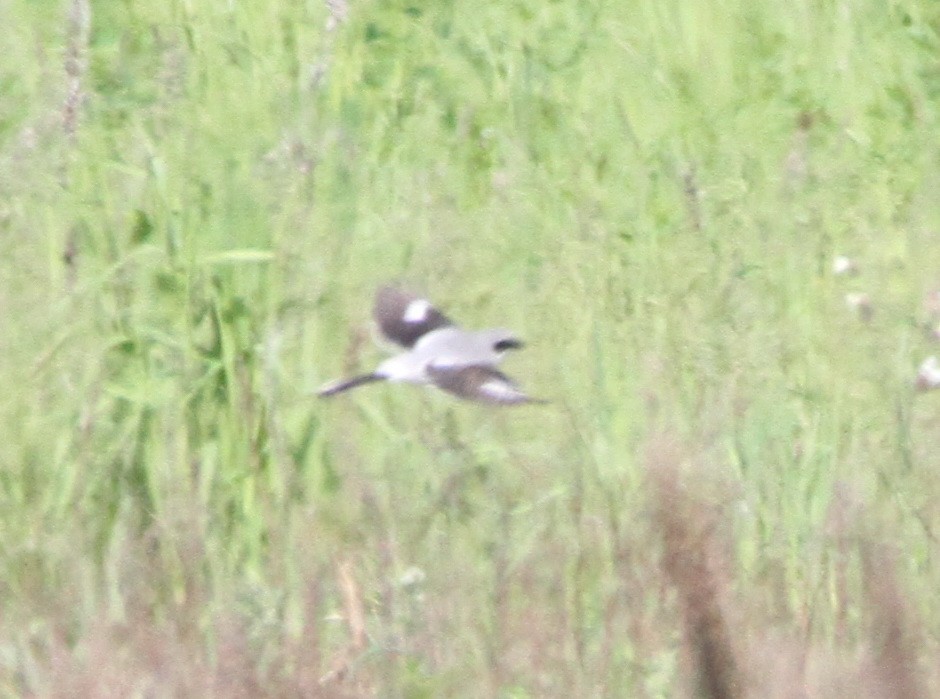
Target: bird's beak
508	344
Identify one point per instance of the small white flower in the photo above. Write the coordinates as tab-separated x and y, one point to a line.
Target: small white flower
928	376
860	302
412	577
842	265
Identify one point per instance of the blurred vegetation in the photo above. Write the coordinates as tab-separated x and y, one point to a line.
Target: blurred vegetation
197	201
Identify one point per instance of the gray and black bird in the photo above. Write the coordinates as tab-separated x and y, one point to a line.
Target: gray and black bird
439	353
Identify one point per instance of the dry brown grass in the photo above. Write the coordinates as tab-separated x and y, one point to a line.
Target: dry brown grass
599	612
732	656
693	566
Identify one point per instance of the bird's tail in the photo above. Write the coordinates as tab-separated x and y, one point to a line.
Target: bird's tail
331	389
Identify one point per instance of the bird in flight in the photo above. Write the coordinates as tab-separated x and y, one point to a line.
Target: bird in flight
437	352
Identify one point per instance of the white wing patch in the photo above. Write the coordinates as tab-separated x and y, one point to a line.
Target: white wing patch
500	390
417	311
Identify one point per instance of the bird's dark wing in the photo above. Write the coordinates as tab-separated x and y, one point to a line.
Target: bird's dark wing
405	318
480	383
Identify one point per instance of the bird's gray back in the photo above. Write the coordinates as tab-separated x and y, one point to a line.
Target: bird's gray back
453	346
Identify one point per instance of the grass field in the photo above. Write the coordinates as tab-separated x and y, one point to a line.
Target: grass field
734	490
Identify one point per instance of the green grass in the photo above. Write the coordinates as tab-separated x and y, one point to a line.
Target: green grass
196	209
